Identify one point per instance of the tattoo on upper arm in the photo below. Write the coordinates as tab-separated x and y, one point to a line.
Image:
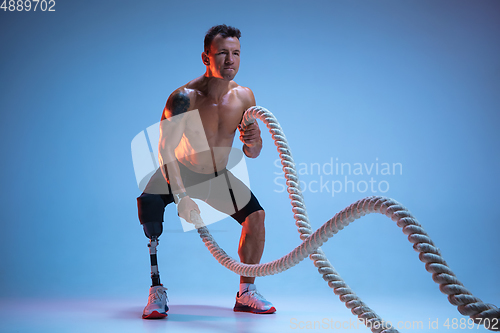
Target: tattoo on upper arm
179	103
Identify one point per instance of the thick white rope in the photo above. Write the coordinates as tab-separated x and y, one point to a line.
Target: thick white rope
458	295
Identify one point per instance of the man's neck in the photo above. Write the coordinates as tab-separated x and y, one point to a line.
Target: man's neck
214	87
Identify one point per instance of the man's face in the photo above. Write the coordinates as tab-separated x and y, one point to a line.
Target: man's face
224	57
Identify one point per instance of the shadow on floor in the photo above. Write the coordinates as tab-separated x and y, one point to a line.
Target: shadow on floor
186	313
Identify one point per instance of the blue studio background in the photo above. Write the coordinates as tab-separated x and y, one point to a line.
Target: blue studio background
414	84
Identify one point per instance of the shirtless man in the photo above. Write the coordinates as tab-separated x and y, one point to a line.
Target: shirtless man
196	134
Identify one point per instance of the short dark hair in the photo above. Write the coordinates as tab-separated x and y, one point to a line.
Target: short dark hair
222	29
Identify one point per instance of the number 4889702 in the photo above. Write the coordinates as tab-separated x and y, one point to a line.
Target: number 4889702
28	5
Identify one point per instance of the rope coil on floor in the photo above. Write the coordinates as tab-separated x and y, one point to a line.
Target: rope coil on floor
458	295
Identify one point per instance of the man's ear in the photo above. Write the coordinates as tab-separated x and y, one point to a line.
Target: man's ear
205	59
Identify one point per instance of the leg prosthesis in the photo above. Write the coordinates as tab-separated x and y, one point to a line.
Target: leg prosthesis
151	208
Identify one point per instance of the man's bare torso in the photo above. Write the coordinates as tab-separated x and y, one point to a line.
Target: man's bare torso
219	117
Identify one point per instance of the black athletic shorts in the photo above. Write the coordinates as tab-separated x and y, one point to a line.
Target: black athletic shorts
221	190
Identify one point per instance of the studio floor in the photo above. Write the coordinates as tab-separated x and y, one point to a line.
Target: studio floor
216	315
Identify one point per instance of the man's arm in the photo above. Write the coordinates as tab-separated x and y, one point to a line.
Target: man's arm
172	128
250	135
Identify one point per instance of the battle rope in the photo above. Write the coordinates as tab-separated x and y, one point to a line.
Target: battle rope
458	295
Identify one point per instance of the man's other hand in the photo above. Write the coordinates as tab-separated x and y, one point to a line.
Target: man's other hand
250	135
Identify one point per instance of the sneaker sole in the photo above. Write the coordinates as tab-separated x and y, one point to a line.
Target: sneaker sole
245	308
154	315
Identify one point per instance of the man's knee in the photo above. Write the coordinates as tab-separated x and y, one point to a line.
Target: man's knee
255	221
258	215
151	208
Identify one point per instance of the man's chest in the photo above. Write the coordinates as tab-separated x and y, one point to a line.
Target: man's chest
220	119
